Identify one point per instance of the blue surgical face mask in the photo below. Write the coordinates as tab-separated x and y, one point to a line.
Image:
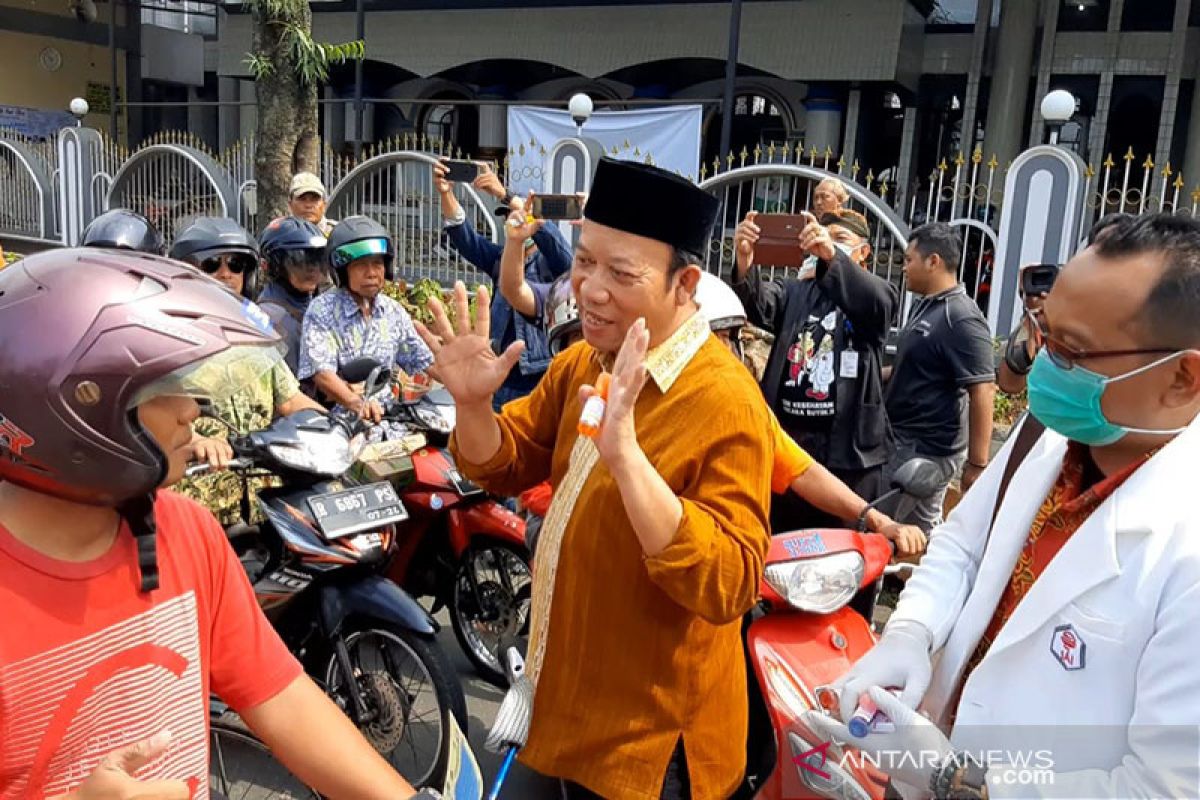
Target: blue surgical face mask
1067	401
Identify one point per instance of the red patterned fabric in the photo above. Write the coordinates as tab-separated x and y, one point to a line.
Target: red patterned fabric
1065	508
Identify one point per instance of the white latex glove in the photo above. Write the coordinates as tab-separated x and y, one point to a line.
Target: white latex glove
915	735
899	660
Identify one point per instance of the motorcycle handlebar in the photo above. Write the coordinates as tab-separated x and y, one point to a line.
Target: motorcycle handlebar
204	468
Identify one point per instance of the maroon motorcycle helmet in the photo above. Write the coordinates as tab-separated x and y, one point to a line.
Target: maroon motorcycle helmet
88	335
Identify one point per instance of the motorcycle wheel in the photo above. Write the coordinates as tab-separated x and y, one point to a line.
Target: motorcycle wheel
499	614
242	768
410	689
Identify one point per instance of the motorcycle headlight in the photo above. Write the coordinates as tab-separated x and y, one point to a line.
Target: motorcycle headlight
321	453
820	585
434	420
822	773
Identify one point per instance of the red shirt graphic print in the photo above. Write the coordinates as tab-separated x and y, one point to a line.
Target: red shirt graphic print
89	665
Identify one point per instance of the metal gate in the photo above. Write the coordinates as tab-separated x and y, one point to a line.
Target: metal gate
397	189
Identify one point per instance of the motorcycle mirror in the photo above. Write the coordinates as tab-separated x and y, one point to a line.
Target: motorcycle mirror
379	378
918	477
358	370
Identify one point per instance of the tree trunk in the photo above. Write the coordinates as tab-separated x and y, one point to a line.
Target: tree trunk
286	140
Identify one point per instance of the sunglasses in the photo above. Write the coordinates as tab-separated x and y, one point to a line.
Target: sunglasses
235	264
1065	356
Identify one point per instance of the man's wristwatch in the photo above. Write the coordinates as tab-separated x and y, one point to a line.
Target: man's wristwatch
960	777
427	794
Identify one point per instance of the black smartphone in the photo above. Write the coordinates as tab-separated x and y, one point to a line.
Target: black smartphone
461	171
556	206
1037	279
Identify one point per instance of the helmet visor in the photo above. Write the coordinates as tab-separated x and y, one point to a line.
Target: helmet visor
353	251
217	377
306	260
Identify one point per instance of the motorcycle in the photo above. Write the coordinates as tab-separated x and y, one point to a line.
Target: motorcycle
803	636
314	562
459	545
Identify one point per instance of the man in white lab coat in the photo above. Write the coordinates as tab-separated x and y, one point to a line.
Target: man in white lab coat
1061	652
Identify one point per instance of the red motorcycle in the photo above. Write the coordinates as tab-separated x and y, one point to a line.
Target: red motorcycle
460	545
818	590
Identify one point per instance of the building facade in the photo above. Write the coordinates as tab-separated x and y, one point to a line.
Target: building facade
894	85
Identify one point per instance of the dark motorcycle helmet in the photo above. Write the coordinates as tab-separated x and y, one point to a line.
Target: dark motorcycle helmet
357	237
291	241
212	237
122	229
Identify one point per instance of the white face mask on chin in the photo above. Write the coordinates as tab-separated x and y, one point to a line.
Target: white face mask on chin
847	249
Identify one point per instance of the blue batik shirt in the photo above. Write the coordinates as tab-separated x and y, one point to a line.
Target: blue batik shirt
337	332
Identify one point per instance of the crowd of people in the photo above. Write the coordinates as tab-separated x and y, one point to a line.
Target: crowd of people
656	528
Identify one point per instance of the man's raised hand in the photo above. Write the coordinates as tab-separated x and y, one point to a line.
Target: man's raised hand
463	356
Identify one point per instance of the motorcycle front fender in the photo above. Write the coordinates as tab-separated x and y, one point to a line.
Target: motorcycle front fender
486	519
374	597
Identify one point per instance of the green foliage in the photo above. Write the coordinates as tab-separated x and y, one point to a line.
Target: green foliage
259	65
309	59
312	60
1009	407
415	299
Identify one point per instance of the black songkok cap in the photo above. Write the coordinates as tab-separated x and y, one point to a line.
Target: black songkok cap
651	202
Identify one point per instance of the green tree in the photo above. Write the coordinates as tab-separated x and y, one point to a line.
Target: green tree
288	66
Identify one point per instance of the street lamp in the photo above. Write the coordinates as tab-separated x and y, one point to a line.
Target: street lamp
78	107
1057	108
580	106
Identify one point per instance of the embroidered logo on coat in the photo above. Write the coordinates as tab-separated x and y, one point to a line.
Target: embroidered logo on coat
1068	647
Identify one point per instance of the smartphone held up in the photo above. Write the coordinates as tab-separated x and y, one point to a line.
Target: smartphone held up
779	240
556	207
459	171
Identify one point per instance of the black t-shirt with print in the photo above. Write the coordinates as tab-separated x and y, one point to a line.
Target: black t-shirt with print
808	386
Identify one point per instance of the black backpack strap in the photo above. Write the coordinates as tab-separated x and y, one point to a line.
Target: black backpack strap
1030	431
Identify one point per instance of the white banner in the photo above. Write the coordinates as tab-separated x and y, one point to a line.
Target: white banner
666	137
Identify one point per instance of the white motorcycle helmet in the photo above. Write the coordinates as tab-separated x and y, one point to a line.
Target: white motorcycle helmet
721	306
561	314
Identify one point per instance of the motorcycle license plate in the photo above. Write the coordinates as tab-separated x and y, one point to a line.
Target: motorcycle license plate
345	513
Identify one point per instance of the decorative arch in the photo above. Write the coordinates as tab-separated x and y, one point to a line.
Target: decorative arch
171	185
751	87
787	188
593	88
25	181
397	190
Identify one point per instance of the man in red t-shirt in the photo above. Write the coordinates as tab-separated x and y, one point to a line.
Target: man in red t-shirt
124	606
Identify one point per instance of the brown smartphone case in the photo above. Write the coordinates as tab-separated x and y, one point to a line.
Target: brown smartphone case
779	240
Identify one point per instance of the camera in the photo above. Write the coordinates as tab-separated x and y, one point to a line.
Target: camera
1037	279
